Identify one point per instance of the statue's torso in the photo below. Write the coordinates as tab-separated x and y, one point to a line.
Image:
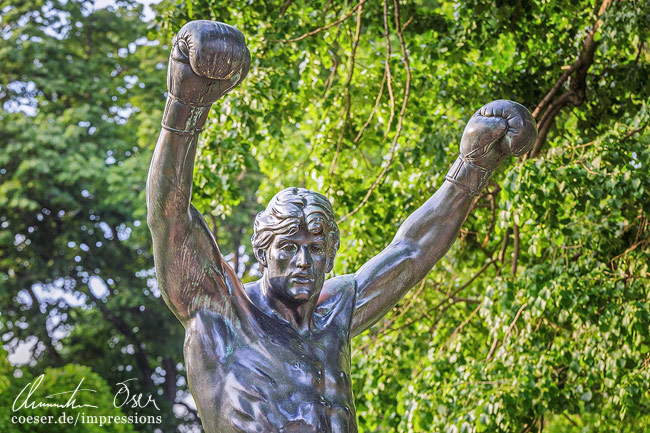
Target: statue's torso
249	372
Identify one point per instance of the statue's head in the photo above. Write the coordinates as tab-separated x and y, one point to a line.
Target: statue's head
295	240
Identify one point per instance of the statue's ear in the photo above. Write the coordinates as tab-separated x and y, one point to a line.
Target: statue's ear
260	255
330	265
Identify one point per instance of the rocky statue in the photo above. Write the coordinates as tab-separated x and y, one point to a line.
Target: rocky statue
273	355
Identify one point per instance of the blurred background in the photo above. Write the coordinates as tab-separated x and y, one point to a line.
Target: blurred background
538	319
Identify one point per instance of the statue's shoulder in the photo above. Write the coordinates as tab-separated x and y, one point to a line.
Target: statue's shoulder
337	298
339	286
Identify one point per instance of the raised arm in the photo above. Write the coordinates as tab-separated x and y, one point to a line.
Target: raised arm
208	59
498	129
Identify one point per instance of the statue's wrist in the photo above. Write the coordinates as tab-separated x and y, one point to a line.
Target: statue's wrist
182	117
469	177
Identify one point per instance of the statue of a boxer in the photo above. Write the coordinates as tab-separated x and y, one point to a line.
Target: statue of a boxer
274	355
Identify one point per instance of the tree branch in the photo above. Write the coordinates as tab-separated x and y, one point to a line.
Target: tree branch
515	253
284	8
577	89
548	119
461	326
634	131
450	297
170	379
505	337
125	329
374	109
493	210
346	118
557	86
328	26
330	78
387	70
400	121
58	360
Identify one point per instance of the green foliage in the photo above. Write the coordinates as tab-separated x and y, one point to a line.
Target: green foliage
539	314
56	380
82	92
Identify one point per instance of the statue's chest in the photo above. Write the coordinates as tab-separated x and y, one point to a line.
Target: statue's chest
278	382
315	367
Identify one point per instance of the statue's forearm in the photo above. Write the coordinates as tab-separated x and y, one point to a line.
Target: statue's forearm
437	222
432	229
169	185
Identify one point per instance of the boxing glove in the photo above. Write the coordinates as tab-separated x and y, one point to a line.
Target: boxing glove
498	129
207	60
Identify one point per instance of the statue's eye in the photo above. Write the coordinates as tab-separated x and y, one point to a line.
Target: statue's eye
317	249
289	247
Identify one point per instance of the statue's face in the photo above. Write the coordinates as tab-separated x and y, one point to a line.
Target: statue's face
296	265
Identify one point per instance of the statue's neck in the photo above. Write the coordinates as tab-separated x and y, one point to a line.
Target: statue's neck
297	315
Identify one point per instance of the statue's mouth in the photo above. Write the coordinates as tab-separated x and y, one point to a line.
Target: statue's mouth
302	278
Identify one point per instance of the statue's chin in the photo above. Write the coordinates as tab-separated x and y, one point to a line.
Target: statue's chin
301	293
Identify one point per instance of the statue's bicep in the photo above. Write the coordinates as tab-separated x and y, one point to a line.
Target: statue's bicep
192	274
381	283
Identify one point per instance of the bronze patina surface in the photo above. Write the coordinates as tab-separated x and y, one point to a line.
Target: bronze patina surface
274	355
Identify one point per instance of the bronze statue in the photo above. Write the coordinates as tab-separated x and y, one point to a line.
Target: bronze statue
274	355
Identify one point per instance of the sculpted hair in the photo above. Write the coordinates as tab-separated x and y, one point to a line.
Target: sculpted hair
290	208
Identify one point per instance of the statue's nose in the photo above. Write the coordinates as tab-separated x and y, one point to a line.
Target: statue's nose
304	259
